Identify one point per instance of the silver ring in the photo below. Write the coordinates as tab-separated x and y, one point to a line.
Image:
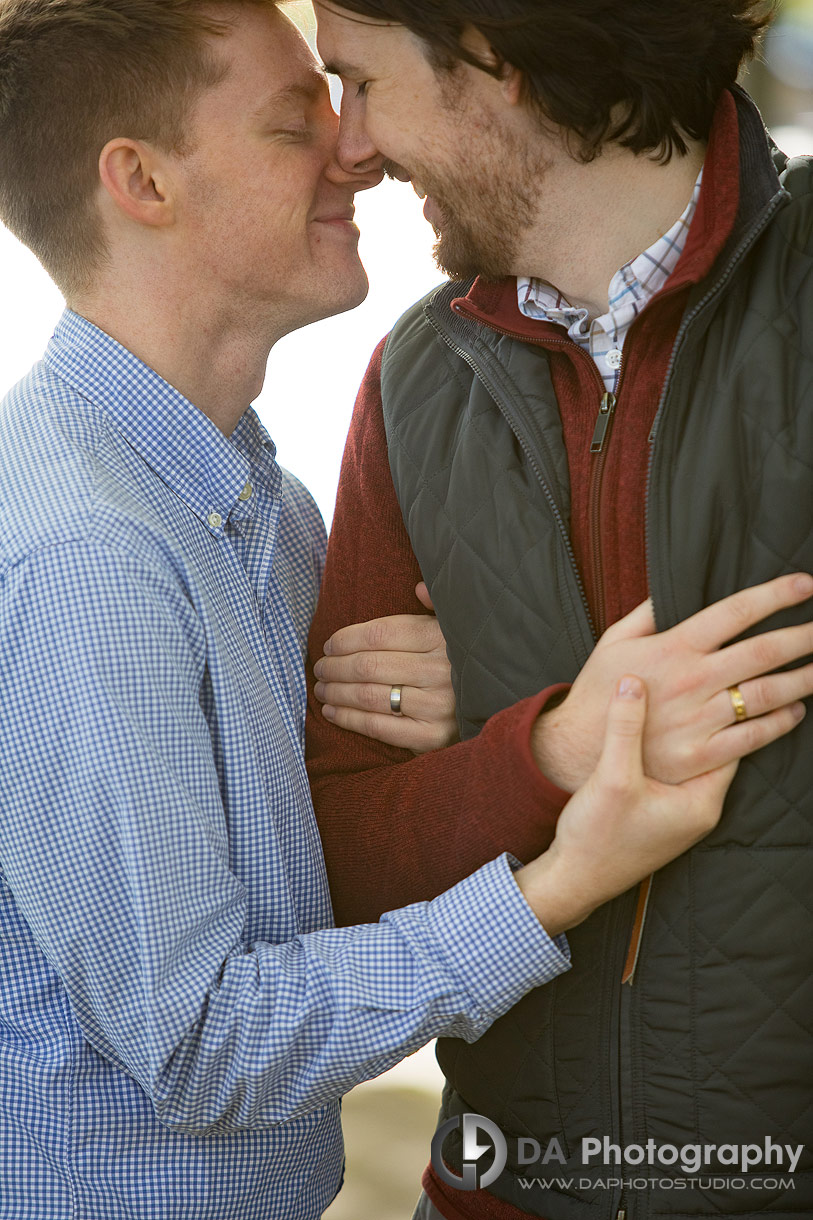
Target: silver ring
395	700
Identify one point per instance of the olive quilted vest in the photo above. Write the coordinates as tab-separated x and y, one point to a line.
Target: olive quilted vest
713	1042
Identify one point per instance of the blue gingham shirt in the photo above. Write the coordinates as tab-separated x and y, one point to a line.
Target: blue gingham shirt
177	1016
632	287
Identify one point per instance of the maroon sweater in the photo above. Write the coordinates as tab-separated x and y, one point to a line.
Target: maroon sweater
398	829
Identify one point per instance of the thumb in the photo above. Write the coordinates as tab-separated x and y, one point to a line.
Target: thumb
640	621
422	594
622	764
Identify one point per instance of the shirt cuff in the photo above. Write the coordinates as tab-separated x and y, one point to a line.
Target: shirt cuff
493	942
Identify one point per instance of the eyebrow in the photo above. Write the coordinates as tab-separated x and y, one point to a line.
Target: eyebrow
339	67
294	93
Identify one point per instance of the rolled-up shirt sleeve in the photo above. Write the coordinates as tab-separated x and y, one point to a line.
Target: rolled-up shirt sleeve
114	841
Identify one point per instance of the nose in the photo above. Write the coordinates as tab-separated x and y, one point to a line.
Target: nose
357	159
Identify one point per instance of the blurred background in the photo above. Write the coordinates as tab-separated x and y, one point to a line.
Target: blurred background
388	1122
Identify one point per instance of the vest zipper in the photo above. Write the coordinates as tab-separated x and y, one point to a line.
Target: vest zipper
620	1041
604	422
601	437
624	1080
478	370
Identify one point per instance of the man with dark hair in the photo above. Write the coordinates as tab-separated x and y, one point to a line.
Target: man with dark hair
618	407
178	1017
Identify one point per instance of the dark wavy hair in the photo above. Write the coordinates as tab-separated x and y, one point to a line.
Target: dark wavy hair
645	73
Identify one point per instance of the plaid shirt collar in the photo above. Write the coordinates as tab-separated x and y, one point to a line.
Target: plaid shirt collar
207	470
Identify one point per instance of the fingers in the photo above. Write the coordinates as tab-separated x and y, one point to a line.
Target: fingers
416	703
760	654
740	739
397	632
710	628
621	765
402	731
428	671
422	594
705	795
766	694
640	621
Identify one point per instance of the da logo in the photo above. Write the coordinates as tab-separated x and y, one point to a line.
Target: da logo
473	1150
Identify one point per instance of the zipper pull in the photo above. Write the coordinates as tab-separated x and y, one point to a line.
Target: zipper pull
605	415
621	1215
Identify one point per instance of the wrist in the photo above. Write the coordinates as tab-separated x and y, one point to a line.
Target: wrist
547	886
552	751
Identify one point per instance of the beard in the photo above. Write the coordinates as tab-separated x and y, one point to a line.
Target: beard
481	228
486	200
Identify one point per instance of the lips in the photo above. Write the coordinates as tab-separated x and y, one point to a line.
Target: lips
347	214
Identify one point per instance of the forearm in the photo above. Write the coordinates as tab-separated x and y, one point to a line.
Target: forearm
291	1027
116	846
395	828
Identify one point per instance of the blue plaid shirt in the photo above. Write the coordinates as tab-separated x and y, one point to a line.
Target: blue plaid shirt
178	1018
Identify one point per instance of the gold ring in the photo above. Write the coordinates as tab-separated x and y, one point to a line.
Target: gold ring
737	703
395	700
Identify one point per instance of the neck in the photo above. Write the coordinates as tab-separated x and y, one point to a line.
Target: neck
213	355
625	203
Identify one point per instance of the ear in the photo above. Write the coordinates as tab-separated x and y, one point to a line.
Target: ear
135	178
510	78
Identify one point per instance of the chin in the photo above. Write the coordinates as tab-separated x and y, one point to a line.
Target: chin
461	261
334	298
341	295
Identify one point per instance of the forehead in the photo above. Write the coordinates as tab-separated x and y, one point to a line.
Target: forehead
348	41
262	49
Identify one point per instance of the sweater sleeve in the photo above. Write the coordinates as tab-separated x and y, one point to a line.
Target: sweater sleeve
398	829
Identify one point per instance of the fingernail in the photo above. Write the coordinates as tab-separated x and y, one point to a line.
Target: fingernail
329	712
317	669
319	691
804	584
328	648
799	711
630	688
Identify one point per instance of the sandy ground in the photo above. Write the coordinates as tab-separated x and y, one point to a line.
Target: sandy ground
388	1126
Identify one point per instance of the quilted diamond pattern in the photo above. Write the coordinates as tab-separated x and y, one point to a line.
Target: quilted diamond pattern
714	1042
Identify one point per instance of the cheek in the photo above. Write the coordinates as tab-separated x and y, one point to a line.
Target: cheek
383	125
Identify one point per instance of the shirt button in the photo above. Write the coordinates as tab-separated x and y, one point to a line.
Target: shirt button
215	520
614	358
246	493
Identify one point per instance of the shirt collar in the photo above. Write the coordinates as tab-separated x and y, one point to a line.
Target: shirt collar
206	469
